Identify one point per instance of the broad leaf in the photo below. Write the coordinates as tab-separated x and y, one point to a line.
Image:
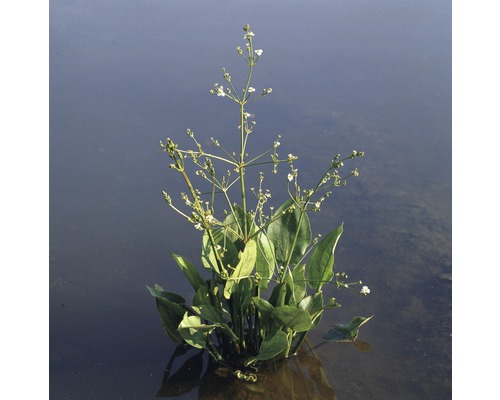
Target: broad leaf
266	310
278	295
202	296
320	266
217	317
264	307
293	317
227	249
288	280
244	268
189	270
271	346
210	313
194	332
299	282
243	293
159	292
171	309
346	332
283	231
266	260
313	304
171	315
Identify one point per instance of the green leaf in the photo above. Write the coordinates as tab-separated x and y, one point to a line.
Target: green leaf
266	260
171	315
346	332
243	293
263	305
171	308
313	304
265	308
271	346
320	266
202	296
218	318
194	332
235	224
227	248
159	292
189	270
278	295
243	269
210	313
299	282
293	317
288	280
282	234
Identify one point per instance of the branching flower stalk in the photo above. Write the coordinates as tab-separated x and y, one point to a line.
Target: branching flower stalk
249	252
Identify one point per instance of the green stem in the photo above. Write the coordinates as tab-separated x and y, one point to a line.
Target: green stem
241	166
200	212
209	155
302	336
241	169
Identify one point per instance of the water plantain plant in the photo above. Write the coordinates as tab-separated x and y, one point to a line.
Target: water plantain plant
260	289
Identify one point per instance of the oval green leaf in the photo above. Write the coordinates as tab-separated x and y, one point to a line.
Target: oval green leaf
283	231
271	346
320	266
293	317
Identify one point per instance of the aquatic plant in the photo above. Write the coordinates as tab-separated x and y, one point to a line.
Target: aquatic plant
264	270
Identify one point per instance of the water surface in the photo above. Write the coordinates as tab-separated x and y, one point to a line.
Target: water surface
364	75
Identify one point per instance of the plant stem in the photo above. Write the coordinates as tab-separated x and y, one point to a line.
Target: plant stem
241	168
202	215
300	340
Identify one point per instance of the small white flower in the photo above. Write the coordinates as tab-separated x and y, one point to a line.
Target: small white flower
220	91
317	204
290	177
251	89
218	247
198	226
259	52
210	219
364	290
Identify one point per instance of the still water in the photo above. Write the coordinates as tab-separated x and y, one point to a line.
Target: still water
364	75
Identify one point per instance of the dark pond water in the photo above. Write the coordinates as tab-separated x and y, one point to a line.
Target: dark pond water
364	75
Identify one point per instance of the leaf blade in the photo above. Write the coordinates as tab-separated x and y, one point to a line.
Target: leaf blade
283	231
320	266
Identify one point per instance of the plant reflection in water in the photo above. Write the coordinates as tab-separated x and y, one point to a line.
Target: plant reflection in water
299	377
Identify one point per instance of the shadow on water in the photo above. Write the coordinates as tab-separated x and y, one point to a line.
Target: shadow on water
190	373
